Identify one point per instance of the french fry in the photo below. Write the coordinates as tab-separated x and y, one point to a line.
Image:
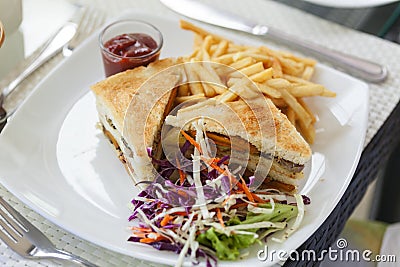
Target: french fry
228	96
307	132
307	108
207	101
181	99
205	56
291	115
276	68
203	33
211	80
242	63
307	73
301	113
307	90
278	83
249	88
255	56
232	48
196	88
183	90
198	40
279	102
208	90
269	91
221	49
295	79
307	61
328	93
224	59
262	76
194	85
280	76
250	92
239	88
250	70
195	53
205	48
213	48
291	67
232	81
208	40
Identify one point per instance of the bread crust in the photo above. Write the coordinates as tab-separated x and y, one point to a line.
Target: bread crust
114	96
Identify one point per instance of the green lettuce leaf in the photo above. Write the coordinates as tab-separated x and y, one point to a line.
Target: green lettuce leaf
227	247
281	213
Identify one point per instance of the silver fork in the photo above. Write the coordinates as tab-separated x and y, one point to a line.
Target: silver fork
91	19
28	241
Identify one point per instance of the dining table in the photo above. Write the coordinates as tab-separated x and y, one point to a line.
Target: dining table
382	134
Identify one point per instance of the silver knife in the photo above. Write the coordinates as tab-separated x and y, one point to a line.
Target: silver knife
364	69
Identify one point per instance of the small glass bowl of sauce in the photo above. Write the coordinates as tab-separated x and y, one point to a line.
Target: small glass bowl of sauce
127	44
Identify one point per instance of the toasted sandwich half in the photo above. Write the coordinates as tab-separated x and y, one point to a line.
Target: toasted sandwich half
290	151
113	97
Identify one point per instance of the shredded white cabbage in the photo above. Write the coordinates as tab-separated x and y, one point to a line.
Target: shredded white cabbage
236	229
186	247
256	209
152	225
165	212
200	200
186	226
143	199
297	222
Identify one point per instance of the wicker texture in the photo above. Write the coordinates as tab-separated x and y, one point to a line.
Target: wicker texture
372	159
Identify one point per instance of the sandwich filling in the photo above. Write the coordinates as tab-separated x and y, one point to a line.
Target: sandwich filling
113	97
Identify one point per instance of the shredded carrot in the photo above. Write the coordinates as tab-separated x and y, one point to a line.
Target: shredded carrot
152	240
225	201
192	141
246	190
141	229
166	220
232	181
141	235
182	193
219	216
182	175
214	160
258	199
211	163
218	168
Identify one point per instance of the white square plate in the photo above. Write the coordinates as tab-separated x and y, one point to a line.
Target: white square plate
58	163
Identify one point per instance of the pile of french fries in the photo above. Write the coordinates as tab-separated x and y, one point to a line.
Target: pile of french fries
280	76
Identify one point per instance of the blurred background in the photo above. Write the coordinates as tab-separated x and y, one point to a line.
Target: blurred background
382	201
381	20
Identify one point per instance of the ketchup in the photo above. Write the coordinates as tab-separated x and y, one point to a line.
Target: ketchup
128	51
